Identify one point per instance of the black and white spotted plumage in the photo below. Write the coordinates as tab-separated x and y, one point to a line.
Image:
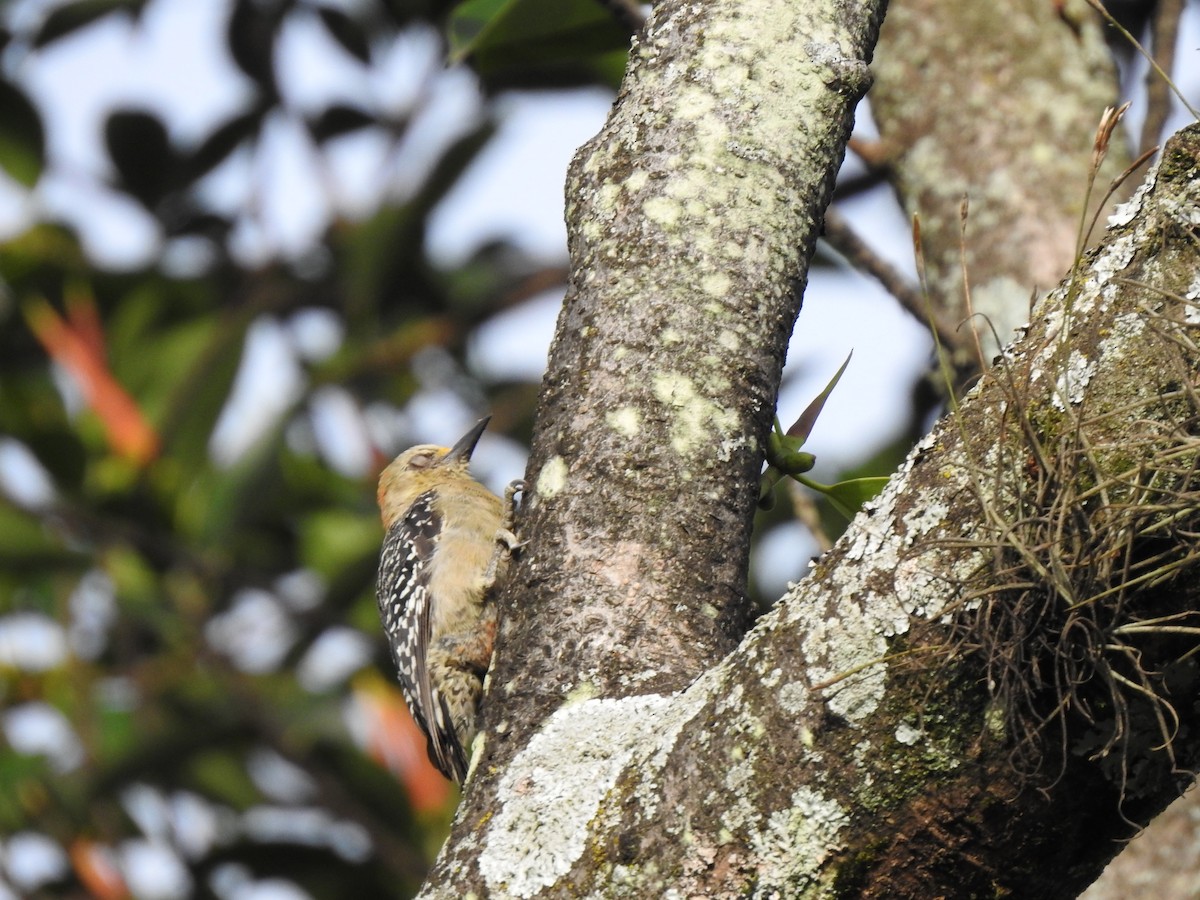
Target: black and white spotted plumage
447	544
405	603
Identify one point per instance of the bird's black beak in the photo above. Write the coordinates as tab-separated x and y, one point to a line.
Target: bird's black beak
465	445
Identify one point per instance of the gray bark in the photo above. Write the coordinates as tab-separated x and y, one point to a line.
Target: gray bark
848	744
996	103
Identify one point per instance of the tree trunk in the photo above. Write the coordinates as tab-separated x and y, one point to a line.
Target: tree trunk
995	104
958	701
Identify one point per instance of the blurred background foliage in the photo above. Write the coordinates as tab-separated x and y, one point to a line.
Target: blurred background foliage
195	698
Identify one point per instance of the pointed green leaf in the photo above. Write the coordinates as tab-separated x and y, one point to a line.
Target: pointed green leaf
347	31
803	425
849	496
141	152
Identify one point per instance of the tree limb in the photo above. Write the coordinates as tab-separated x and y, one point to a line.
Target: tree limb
850	744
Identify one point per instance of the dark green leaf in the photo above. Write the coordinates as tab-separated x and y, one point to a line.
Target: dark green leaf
253	27
503	38
22	141
332	539
70	18
375	270
25	539
347	32
338	120
222	142
141	152
469	23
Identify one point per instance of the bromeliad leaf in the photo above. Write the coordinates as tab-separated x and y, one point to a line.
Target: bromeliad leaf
848	496
802	427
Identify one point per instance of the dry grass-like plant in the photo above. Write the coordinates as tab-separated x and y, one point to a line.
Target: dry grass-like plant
1079	614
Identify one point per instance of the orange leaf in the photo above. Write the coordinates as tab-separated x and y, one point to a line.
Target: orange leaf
78	346
97	872
396	743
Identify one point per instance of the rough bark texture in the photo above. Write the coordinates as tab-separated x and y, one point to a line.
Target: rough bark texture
998	103
692	217
694	213
848	746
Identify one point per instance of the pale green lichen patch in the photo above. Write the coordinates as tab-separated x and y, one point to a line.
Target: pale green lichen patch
1116	257
585	690
846	649
1191	313
607	197
919	591
558	784
1131	208
662	211
793	697
730	79
694	103
682	189
637	180
908	734
920	520
1123	337
716	284
626	421
555	787
1073	381
552	478
795	841
847	652
697	420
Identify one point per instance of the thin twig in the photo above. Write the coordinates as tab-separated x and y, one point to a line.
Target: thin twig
842	238
1164	34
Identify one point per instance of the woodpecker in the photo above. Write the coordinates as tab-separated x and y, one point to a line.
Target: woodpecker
448	543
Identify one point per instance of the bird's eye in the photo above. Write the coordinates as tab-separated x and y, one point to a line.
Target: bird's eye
420	461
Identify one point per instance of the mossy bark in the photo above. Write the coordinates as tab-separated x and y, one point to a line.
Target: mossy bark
848	745
994	104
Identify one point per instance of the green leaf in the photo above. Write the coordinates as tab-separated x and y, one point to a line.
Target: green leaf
253	28
849	496
22	140
783	450
803	425
503	38
468	23
339	119
333	539
346	31
141	152
27	545
217	147
70	18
